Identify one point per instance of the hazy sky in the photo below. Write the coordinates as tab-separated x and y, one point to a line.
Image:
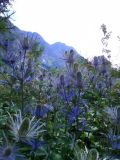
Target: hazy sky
74	22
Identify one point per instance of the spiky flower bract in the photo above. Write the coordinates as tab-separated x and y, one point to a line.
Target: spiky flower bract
24	128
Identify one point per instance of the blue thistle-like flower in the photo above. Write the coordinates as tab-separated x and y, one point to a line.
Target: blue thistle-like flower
95	62
68	96
35	144
62	80
24	128
10	153
79	80
115	142
116	145
41	111
74	114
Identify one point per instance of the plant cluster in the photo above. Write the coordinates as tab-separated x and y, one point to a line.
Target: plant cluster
53	114
50	114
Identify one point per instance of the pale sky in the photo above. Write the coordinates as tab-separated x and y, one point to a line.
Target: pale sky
73	22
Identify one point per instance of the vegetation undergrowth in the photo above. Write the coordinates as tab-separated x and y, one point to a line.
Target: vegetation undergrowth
53	114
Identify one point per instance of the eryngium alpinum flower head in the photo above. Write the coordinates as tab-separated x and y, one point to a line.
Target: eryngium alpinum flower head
24	128
9	152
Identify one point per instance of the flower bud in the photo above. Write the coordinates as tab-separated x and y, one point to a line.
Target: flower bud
25	44
7	152
62	81
71	57
75	67
95	61
79	79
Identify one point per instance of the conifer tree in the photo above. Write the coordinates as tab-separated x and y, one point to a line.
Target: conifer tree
5	15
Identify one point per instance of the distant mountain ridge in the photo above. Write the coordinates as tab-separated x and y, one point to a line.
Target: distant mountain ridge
53	55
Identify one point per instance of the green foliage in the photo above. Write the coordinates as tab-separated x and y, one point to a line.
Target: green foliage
58	114
92	154
24	127
3	25
5	15
85	154
115	73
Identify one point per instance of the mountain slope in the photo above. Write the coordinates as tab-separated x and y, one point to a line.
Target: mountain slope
53	55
